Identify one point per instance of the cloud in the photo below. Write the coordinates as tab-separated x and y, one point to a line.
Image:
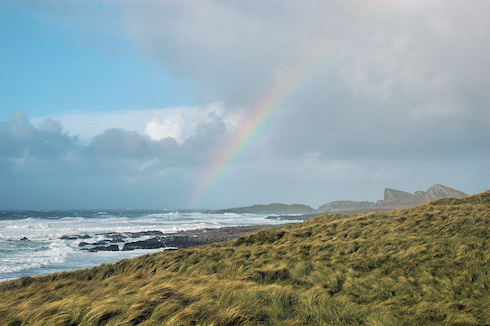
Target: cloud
386	94
182	123
117	143
19	138
178	123
121	168
22	140
401	79
233	48
377	79
118	167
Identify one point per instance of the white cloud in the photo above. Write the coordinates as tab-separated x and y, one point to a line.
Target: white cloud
176	122
181	123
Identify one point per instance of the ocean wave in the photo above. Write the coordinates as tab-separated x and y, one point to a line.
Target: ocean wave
46	252
34	257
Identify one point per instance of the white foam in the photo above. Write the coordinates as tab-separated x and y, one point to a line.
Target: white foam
33	256
46	253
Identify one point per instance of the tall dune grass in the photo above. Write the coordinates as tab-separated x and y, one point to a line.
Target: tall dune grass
423	266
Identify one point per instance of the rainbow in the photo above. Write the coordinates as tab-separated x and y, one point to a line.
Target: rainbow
258	121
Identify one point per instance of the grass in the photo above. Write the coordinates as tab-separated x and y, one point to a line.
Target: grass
423	266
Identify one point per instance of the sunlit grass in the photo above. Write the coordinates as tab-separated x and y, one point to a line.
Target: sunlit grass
421	266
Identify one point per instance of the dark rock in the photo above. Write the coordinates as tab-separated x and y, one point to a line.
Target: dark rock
116	240
182	239
104	248
24	239
144	233
83	244
114	235
118	237
153	243
75	237
68	237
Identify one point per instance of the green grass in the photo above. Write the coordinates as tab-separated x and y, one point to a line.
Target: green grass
423	266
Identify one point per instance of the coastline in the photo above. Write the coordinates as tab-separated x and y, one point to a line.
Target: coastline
181	239
196	237
191	238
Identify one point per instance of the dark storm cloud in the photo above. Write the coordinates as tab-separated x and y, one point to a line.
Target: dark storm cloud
24	145
406	79
19	138
119	145
42	167
233	48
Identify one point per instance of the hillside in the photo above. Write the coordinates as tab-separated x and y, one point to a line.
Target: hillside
420	266
275	208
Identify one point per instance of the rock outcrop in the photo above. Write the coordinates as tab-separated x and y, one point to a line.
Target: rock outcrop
434	192
392	199
153	243
440	191
397	196
103	248
171	241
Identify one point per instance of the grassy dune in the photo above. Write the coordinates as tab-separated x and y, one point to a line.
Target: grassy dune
421	266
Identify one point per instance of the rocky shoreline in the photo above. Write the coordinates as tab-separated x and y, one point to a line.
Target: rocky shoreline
115	241
153	239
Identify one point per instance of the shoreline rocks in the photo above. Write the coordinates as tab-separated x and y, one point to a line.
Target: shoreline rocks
171	241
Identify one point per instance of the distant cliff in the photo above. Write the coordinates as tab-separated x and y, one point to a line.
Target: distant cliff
274	208
392	198
397	196
440	191
434	192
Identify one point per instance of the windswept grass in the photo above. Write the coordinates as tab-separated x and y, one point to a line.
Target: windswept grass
421	266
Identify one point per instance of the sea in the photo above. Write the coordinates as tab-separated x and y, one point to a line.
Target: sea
37	242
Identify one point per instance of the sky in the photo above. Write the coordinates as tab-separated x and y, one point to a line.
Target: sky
218	104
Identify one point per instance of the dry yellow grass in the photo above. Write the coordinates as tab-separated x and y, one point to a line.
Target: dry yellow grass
420	266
